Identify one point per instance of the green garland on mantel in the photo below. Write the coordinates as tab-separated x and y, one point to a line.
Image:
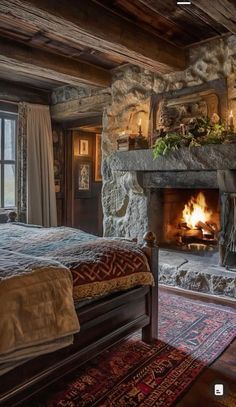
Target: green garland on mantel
205	131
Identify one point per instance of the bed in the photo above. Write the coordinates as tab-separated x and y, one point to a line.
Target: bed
114	293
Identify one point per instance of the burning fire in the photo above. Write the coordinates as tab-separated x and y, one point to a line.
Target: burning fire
196	210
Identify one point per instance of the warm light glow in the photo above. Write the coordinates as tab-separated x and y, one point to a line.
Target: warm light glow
196	210
140	122
231	113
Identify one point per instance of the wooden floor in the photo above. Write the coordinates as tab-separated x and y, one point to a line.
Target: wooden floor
223	370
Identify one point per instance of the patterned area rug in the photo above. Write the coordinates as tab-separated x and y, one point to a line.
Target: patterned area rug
192	335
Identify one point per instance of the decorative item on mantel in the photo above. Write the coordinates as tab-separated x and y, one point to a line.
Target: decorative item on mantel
125	142
140	141
231	122
198	132
132	141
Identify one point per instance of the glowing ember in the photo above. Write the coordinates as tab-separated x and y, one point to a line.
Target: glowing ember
196	210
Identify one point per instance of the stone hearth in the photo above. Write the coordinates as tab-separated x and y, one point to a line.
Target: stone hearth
196	273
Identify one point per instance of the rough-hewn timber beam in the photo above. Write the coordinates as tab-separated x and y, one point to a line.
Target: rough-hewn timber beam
87	121
18	57
84	106
93	26
15	92
223	11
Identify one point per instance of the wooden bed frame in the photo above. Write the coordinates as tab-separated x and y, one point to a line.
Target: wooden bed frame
103	323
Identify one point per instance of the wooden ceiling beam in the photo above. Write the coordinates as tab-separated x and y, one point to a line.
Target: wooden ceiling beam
87	121
14	92
93	26
86	106
28	60
222	11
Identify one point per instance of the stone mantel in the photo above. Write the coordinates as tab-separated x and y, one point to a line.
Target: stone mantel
210	157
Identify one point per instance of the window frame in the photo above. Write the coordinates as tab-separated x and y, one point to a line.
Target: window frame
5	116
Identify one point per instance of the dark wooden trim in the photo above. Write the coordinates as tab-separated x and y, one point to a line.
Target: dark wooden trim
83	121
69	180
150	331
7	107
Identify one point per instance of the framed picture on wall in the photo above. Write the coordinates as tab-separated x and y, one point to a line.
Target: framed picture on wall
57	186
83	147
98	158
83	178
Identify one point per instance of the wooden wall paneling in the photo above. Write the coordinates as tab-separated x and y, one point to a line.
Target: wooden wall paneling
87	209
69	180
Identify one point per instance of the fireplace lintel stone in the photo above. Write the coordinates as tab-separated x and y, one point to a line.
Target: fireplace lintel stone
180	179
210	157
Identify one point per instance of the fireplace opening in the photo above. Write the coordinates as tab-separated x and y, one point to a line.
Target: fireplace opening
191	219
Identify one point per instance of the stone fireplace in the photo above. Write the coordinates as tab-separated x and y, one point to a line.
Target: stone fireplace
177	185
140	193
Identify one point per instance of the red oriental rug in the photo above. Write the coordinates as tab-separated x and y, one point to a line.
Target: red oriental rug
192	335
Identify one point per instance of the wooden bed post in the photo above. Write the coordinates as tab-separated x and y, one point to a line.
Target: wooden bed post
12	216
150	332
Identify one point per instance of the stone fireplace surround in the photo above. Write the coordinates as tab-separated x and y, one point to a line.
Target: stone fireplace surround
129	176
200	167
211	65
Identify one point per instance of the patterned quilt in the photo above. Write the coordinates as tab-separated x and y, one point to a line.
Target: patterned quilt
98	266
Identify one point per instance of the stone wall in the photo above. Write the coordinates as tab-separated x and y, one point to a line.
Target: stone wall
124	202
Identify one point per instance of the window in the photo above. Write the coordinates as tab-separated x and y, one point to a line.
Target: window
7	160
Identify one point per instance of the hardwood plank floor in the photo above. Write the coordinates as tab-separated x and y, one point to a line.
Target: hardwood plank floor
223	370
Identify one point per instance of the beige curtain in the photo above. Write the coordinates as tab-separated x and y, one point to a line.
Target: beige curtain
41	198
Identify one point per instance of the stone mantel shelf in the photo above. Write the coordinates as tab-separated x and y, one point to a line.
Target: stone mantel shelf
210	157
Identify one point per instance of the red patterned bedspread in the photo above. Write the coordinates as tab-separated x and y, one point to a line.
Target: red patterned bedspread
98	266
103	266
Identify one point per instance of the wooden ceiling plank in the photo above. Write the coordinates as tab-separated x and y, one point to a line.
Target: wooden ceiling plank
183	17
197	13
94	26
146	14
18	57
223	11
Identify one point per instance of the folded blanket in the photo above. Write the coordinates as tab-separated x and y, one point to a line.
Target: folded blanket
36	305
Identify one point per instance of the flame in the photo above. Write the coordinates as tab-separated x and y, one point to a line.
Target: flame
196	210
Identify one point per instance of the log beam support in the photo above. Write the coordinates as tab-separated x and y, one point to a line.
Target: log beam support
91	25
